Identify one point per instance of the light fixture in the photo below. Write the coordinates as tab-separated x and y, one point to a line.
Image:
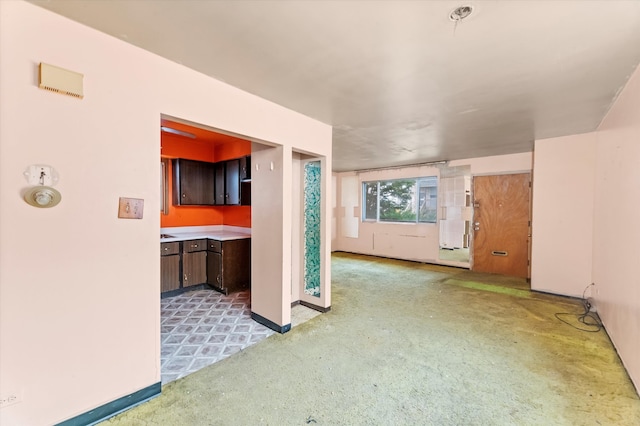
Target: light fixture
460	13
42	195
177	132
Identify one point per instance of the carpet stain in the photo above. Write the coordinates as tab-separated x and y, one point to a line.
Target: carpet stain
407	343
492	288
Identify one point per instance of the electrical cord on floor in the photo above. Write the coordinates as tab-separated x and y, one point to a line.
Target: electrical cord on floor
587	317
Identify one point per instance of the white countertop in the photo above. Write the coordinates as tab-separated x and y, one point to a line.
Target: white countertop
214	232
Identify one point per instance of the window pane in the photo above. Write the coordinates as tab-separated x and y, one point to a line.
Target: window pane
397	200
428	198
370	195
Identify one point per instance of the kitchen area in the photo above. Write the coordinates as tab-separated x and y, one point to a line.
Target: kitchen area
205	249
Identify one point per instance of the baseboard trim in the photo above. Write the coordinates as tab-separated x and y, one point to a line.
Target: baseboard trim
272	325
112	408
296	303
315	307
182	290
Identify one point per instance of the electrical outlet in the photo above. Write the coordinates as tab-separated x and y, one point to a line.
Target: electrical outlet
10	399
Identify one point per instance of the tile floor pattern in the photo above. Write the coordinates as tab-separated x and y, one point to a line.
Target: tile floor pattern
202	327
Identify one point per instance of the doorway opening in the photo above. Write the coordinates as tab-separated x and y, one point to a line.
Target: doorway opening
205	219
455	216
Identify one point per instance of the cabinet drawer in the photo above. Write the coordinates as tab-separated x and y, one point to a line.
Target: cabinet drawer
169	248
194	245
215	245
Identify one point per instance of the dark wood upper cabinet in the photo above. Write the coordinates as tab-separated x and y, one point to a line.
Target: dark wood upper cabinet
220	192
199	183
245	168
232	182
193	183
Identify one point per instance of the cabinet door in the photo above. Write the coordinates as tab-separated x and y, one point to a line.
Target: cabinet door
236	258
214	269
245	168
233	182
194	268
220	193
169	273
193	182
245	193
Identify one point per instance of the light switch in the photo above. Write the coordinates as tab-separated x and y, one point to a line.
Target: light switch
40	174
130	208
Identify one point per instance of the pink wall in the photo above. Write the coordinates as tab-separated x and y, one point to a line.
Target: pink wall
585	220
419	242
616	256
562	220
79	305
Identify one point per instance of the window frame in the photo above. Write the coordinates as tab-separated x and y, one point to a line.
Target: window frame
435	182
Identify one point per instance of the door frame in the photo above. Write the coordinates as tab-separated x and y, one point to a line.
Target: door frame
473	215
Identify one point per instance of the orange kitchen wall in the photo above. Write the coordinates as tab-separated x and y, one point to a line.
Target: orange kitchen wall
173	146
231	150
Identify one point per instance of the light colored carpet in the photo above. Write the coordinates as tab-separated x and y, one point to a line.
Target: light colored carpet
405	344
301	314
455	255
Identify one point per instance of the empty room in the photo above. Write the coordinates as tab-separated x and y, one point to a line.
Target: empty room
368	212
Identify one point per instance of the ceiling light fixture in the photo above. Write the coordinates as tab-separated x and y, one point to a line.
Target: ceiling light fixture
177	132
460	13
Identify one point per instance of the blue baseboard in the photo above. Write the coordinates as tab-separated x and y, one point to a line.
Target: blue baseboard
268	323
112	408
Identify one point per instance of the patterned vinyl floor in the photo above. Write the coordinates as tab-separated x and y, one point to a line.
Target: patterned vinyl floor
202	327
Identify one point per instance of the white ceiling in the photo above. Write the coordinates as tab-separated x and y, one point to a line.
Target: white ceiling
400	83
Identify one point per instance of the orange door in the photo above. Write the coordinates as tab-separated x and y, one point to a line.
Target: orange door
501	224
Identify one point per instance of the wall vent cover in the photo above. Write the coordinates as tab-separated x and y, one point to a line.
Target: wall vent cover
60	80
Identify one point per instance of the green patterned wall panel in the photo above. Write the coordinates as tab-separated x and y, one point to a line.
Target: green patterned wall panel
312	197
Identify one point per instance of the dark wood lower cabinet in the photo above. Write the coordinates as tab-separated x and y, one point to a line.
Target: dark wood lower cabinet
214	269
194	268
229	265
169	273
224	265
169	266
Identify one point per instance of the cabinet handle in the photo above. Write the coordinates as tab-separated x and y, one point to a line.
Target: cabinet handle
184	195
166	248
185	277
194	246
218	279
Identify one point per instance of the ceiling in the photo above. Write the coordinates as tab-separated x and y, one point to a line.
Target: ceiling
399	81
196	133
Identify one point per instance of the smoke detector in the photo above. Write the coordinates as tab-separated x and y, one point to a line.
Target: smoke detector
460	13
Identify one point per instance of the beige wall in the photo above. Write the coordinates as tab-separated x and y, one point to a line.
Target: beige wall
297	256
616	256
270	234
419	242
79	305
562	225
585	220
497	164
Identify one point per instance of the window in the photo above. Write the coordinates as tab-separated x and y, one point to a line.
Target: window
401	200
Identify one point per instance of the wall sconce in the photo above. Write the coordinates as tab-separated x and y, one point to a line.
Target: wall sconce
42	195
